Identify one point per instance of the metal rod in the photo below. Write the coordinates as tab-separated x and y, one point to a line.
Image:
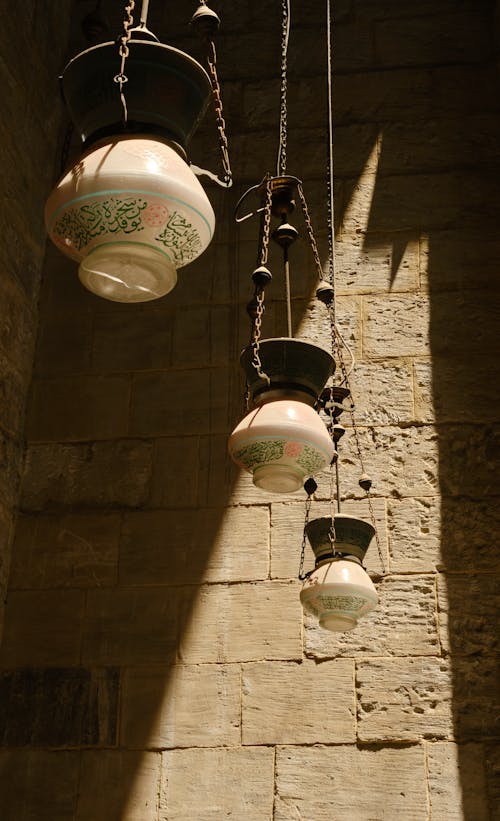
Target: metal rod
337	479
144	13
287	291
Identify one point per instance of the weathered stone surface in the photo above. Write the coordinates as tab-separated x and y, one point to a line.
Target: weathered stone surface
145	342
235	783
12	397
27	785
132	626
165	403
395	326
181	547
370	265
444	394
468	607
403	624
64	344
287	524
42	628
401	461
458	260
182	706
468	455
304	703
79	407
333	783
76	550
492	761
383	393
243	622
404	699
416	41
414	534
175	472
104	474
457	784
86	714
118	785
315	326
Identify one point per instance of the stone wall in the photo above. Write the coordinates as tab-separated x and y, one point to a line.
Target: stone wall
155	663
33	44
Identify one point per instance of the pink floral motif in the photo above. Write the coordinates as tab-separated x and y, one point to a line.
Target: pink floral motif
155	215
293	449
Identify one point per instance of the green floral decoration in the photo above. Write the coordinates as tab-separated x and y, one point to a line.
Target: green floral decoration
310	459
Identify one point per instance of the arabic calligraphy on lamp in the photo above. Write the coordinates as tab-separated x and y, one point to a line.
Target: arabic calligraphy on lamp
131	212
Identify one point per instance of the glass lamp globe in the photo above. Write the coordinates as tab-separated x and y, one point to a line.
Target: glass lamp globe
131	212
281	442
339	592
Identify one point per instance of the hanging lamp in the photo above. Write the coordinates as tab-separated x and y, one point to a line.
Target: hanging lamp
130	210
282	439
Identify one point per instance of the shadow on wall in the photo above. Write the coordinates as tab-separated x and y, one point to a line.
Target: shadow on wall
124	455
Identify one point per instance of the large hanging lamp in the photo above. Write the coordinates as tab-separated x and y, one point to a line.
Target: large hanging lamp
130	210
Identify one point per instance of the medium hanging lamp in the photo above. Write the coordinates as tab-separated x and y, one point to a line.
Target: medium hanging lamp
130	210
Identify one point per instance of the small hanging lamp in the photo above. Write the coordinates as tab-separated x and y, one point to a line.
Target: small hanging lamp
339	591
130	210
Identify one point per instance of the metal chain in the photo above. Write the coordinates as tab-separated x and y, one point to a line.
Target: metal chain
285	34
219	115
351	410
266	223
256	331
310	231
330	180
124	51
303	575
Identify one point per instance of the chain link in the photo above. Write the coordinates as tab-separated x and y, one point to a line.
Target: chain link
124	51
219	114
303	575
285	33
310	231
266	223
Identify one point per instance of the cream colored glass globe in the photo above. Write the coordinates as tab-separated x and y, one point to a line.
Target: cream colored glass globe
339	593
281	443
131	212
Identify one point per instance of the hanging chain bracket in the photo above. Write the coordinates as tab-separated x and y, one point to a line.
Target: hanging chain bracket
123	51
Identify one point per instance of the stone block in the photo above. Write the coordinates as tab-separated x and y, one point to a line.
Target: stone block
287	703
118	785
315	325
492	757
79	407
64	344
367	265
130	626
468	456
395	326
181	706
104	474
233	783
243	622
404	699
468	607
166	403
446	392
86	714
119	344
458	260
455	36
175	472
463	90
403	624
383	393
187	547
414	533
75	550
457	784
287	524
350	783
36	785
476	699
17	329
403	462
11	450
13	388
376	96
42	628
